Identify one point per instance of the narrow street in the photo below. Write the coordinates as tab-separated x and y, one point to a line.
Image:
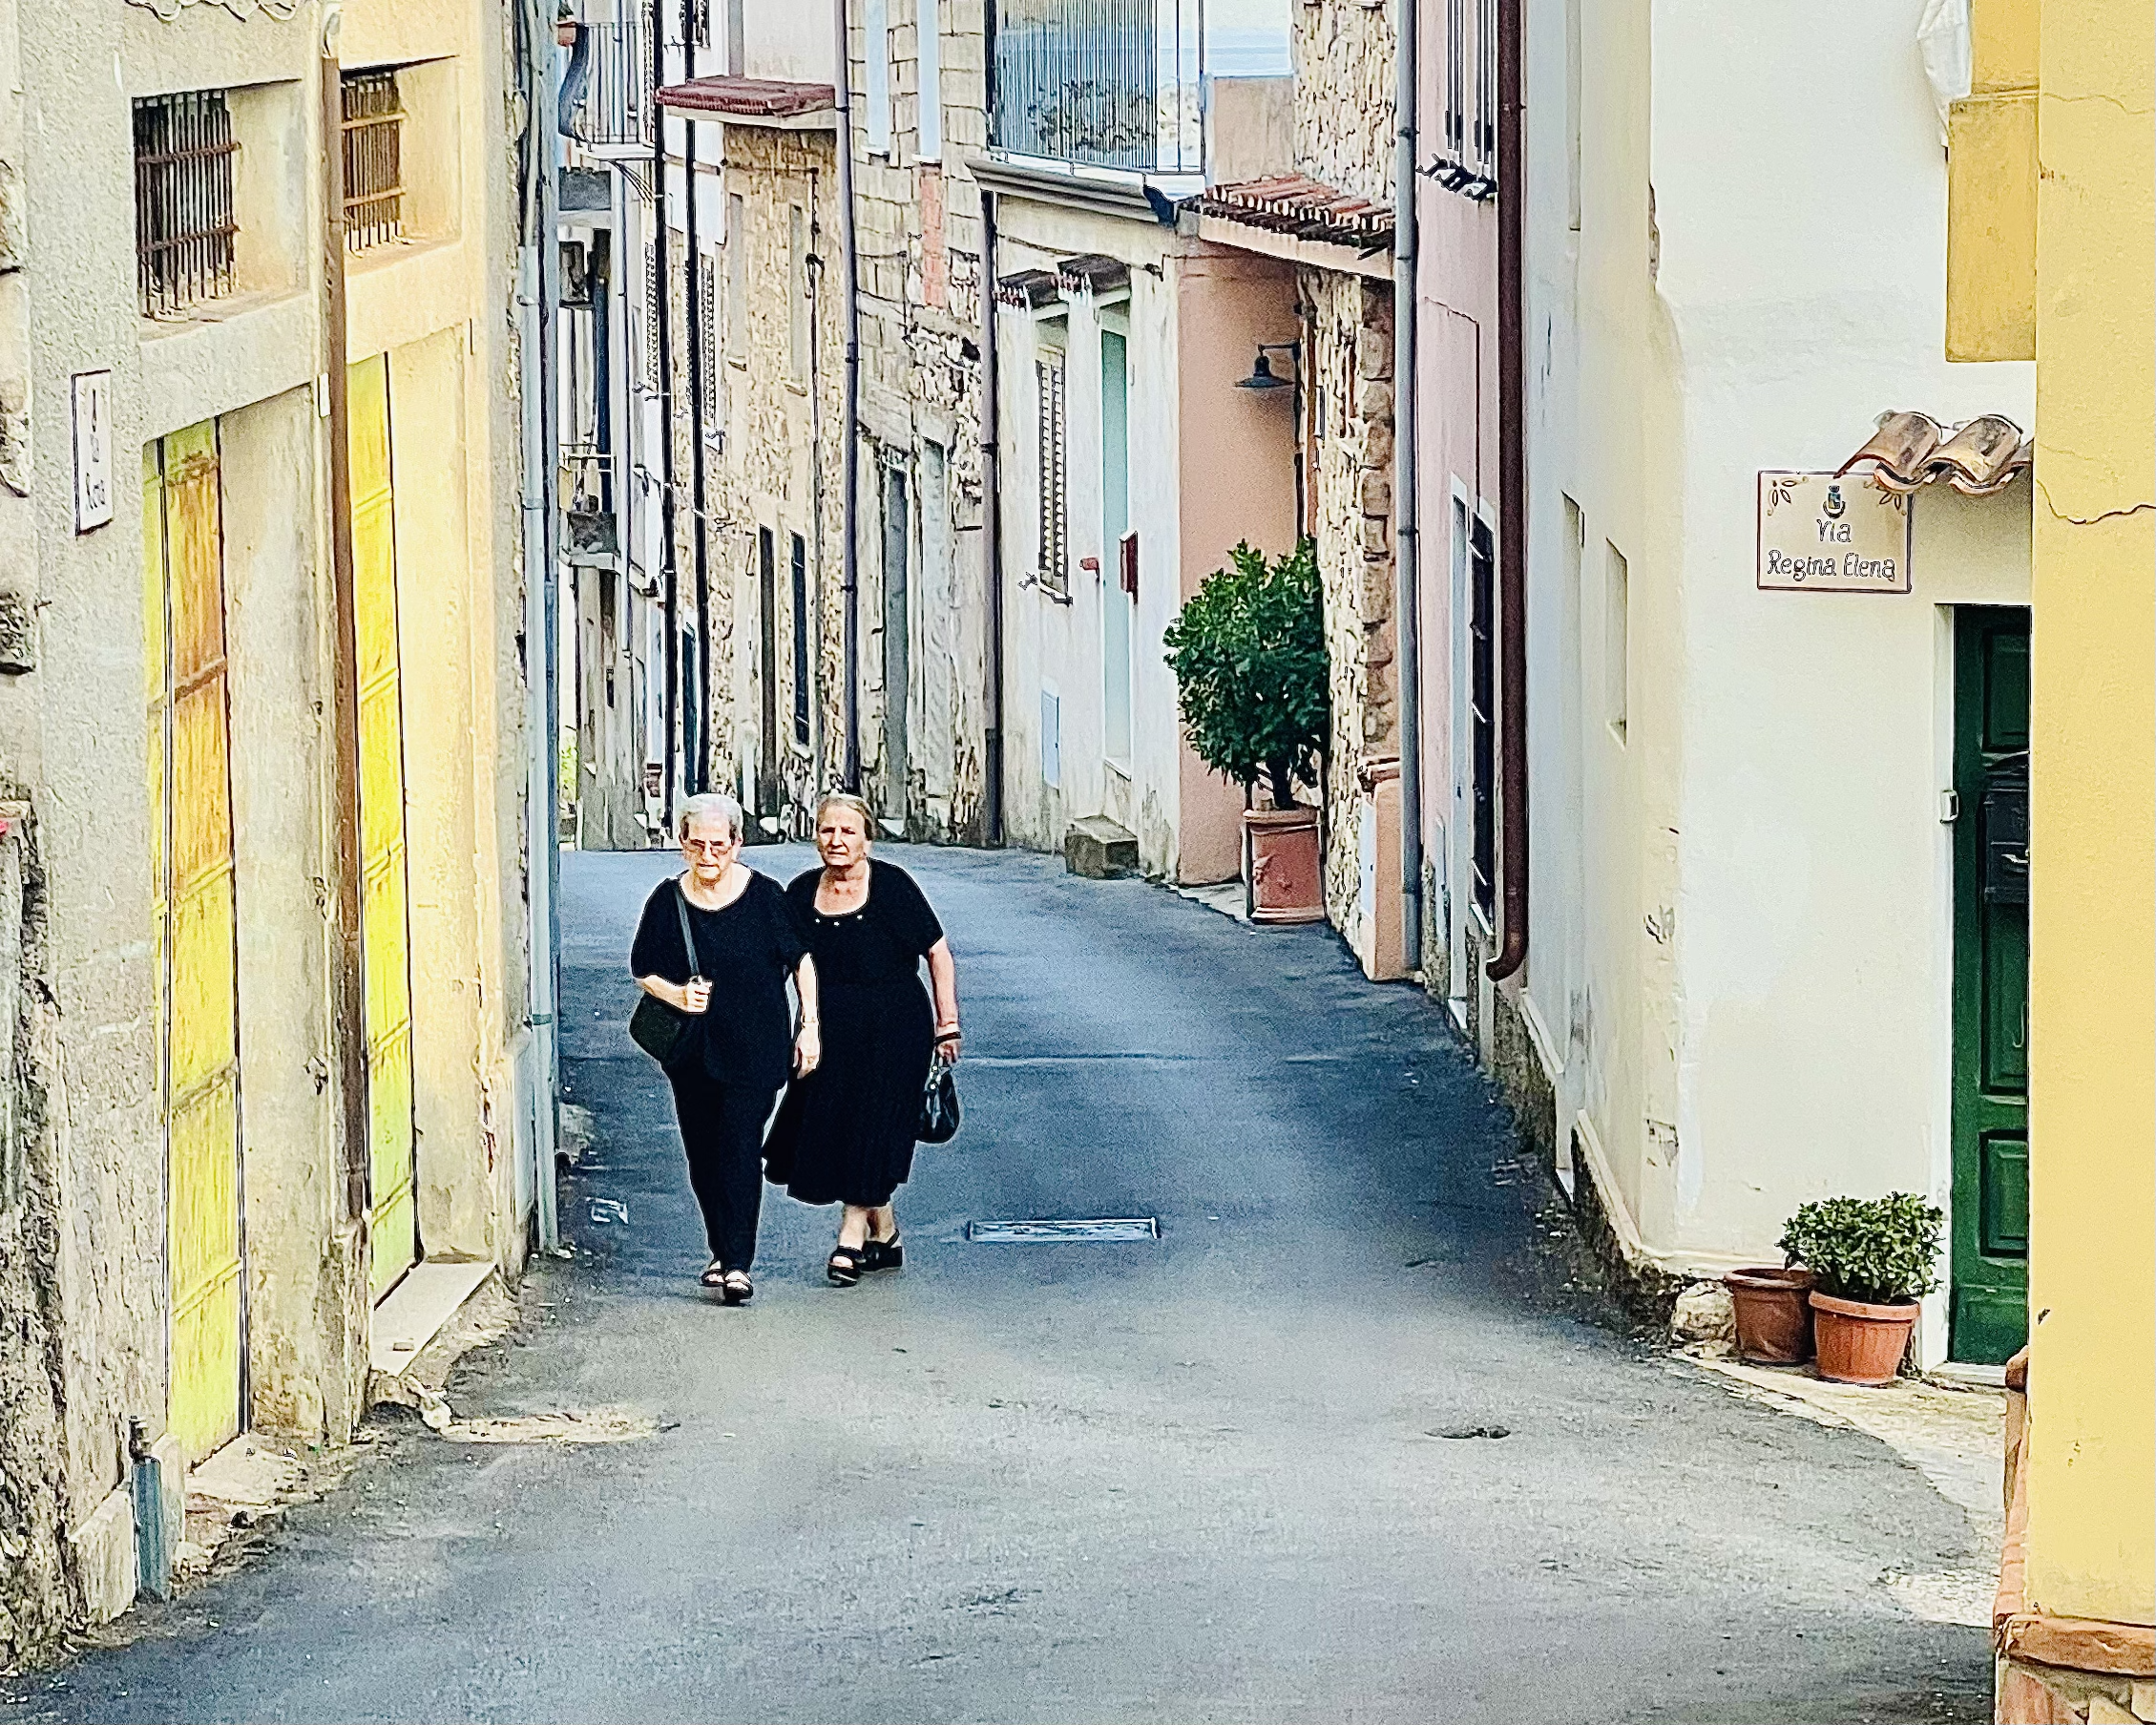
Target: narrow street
1315	1454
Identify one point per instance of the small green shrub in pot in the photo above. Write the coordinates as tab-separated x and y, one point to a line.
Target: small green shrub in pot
1250	662
1883	1252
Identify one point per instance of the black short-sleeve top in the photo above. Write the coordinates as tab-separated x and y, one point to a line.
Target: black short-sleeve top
746	951
883	941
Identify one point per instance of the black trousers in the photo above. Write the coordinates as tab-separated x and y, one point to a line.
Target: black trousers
722	1134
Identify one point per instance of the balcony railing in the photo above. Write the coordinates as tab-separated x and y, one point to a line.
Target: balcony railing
1108	83
606	79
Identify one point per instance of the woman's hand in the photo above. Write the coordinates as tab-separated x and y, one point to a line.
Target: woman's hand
947	1045
696	996
807	1050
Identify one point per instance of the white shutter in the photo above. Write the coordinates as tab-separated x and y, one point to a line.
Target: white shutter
928	79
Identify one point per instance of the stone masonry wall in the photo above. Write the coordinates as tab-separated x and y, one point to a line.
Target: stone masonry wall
1350	342
919	252
1344	64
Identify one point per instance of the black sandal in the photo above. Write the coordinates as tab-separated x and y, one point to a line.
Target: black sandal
714	1275
844	1265
883	1254
736	1289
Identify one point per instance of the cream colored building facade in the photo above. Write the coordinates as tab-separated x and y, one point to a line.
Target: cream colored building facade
1747	808
256	1075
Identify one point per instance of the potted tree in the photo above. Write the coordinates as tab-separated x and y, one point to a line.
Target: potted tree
1248	655
1871	1260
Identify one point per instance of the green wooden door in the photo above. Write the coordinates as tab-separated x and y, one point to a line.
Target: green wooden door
1990	1287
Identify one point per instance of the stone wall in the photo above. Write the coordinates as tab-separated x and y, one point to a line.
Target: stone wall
919	240
1344	65
1350	356
778	466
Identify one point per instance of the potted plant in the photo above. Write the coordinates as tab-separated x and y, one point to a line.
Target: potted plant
1870	1260
1773	1315
1250	662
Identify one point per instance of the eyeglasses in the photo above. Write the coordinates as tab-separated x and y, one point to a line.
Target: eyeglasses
708	847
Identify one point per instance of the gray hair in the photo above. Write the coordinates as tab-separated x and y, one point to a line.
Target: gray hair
846	799
713	806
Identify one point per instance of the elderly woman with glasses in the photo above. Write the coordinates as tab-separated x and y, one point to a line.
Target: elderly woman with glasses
743	1038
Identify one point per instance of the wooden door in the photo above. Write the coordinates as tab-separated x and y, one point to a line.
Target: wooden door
385	915
198	1024
1989	1301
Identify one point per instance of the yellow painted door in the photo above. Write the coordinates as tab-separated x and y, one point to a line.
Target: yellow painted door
198	1004
385	917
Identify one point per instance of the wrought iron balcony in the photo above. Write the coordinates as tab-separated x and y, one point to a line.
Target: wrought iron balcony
1107	83
606	77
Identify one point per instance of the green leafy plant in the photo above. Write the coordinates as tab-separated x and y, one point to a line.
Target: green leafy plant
1249	656
1881	1250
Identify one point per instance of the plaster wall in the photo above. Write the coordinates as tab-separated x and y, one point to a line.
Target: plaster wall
1053	645
1740	959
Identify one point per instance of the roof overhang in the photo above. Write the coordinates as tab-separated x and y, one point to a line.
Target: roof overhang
1978	458
1303	220
1104	191
775	103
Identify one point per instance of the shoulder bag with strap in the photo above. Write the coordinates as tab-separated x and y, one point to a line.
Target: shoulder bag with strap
658	1029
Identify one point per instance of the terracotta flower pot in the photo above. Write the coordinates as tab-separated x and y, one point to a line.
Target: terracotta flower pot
1859	1343
1773	1321
1286	885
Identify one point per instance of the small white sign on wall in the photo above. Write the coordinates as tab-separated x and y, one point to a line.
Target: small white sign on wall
1823	535
93	392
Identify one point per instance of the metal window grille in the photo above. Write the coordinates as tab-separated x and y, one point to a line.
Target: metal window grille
708	343
1455	78
654	310
374	160
183	208
1482	709
1486	85
1055	478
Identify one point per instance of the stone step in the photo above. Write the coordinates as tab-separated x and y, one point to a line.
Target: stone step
1099	849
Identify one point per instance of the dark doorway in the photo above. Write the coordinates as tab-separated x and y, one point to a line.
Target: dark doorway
1482	711
1989	1303
767	673
896	641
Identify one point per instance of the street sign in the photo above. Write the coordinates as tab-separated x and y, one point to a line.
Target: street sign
93	392
1822	534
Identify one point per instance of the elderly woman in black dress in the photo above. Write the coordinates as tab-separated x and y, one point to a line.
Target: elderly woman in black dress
844	1132
729	1067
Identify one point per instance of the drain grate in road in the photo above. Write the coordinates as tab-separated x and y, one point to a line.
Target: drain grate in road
1087	1231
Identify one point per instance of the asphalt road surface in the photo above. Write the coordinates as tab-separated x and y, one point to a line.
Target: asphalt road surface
1226	1475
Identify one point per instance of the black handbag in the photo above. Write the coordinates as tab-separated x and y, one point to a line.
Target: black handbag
658	1029
939	1106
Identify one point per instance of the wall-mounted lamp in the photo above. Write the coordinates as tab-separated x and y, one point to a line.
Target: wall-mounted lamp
1262	375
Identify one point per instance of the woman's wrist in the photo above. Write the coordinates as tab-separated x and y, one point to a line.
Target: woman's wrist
947	1029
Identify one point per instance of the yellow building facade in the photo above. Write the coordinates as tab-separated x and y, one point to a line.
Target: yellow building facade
2053	254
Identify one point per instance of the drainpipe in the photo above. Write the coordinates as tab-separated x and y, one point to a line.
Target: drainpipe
347	978
697	770
670	575
1512	495
850	309
539	296
1406	591
992	527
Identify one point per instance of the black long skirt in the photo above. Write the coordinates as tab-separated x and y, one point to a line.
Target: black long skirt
845	1133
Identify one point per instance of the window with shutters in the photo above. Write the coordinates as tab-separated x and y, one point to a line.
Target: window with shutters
1053	571
1456	79
800	572
1486	86
184	223
736	334
708	344
797	292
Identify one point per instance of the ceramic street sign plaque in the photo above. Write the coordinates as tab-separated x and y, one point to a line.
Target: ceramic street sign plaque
1822	534
93	392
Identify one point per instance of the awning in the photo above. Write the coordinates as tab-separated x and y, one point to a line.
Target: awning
1303	208
754	102
1978	457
